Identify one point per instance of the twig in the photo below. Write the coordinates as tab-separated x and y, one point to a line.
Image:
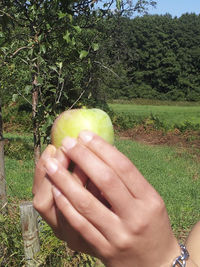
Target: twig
105	67
19	49
60	93
77	100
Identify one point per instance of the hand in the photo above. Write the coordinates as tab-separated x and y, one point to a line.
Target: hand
132	230
44	201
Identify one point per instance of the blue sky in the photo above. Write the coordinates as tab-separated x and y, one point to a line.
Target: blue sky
176	7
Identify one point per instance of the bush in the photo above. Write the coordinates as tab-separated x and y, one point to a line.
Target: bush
18	148
125	121
53	252
17	117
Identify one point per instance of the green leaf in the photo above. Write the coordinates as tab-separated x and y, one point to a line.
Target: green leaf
83	54
14	97
53	68
43	48
39	81
61	80
66	37
59	64
28	89
78	29
95	46
61	15
70	17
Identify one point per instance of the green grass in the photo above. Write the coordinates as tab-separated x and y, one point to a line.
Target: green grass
174	174
19	178
169	115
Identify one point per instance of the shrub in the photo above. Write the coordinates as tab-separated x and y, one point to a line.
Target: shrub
18	148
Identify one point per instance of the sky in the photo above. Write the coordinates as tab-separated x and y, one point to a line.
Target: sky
176	7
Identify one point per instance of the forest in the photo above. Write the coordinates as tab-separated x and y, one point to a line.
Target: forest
155	56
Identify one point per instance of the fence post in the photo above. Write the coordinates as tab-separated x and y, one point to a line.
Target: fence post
30	233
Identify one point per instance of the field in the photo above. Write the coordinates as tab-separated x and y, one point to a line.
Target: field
169	115
174	171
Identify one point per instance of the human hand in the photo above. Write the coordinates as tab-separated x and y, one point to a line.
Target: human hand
44	201
133	230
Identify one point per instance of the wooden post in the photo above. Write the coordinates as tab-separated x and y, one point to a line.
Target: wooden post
3	197
30	233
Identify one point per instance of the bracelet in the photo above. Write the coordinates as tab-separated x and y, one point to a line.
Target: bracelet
181	260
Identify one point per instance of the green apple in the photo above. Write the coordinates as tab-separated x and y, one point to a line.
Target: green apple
72	122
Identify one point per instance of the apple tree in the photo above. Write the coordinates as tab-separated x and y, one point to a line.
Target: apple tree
49	49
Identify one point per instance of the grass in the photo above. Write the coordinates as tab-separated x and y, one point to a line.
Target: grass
175	175
168	114
19	178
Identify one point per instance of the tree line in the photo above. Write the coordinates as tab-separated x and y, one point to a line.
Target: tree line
151	56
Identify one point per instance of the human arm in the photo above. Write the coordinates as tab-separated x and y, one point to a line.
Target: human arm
193	243
134	229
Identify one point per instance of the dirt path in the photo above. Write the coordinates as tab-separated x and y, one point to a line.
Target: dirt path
189	140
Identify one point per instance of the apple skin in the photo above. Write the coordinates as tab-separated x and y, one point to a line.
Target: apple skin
72	122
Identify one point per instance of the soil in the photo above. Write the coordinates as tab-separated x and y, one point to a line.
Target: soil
188	140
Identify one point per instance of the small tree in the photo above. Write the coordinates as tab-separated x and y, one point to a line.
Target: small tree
50	45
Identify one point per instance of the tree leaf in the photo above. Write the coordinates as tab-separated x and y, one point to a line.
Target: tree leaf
28	89
95	46
66	37
78	29
14	97
83	54
43	48
61	15
53	68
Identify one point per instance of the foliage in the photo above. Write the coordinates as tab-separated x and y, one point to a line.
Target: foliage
48	51
52	251
152	56
11	244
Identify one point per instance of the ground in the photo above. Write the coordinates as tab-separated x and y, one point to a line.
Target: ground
188	140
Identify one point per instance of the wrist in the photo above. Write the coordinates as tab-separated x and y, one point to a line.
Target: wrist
182	259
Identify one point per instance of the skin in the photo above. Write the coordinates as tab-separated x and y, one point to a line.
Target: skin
193	243
105	207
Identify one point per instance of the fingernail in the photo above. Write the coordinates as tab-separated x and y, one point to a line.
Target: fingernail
56	192
86	136
68	143
48	152
51	166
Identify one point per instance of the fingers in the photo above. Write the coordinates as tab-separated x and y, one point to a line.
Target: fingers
125	169
79	223
40	171
104	177
87	210
43	200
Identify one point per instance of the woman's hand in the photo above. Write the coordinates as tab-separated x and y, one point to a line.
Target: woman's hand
124	222
45	204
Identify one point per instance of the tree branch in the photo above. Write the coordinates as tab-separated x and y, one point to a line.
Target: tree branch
18	50
77	100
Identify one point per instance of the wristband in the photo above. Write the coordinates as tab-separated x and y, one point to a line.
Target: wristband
181	260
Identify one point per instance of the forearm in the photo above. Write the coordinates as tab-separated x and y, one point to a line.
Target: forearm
191	263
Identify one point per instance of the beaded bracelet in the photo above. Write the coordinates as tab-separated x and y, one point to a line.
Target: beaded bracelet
181	260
